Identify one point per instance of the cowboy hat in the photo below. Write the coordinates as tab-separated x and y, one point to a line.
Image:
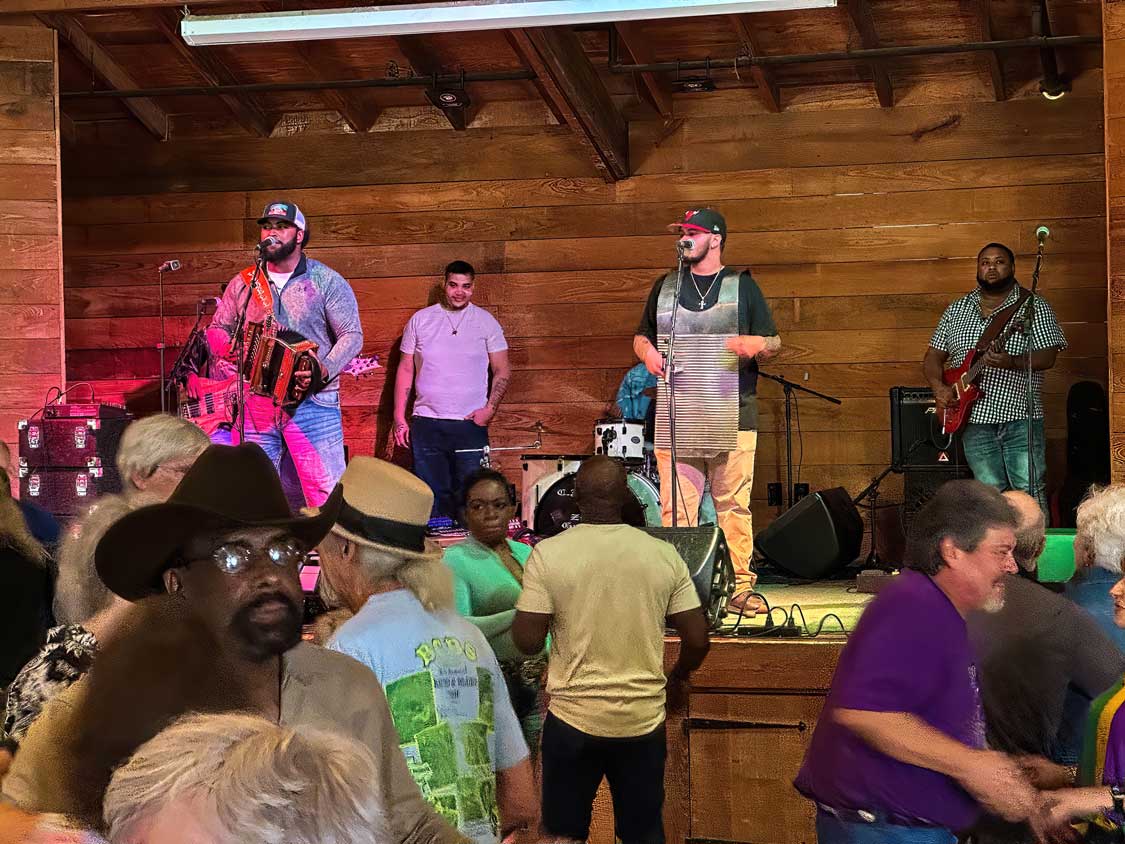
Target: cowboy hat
227	488
385	507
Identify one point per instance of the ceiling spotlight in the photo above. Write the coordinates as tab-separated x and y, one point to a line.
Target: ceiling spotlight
1054	86
694	84
449	96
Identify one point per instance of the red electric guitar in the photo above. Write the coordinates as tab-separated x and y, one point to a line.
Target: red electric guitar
218	399
963	378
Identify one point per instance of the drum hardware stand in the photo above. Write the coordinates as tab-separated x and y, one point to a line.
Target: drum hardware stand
789	386
871	491
486	452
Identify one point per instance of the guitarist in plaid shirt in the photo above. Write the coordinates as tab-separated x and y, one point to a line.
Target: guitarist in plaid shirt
995	438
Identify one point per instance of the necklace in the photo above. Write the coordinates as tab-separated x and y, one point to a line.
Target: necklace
695	284
453	328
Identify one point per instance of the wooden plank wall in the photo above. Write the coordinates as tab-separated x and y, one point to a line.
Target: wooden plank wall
31	332
861	225
1113	25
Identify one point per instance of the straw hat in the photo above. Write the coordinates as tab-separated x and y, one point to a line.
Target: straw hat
386	507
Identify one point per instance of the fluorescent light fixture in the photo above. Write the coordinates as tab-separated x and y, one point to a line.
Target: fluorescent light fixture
373	21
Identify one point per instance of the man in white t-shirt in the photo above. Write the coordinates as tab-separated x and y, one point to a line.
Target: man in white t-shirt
447	351
605	591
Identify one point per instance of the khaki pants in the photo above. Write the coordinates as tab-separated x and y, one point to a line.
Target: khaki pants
731	475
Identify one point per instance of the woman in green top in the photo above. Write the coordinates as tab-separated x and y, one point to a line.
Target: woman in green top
487	580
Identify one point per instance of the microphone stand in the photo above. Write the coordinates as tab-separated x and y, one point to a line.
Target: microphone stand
789	386
873	560
240	341
161	344
1028	328
670	377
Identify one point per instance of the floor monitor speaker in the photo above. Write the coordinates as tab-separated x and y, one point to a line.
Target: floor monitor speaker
814	538
704	549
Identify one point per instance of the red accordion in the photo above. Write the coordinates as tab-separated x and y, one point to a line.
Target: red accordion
273	361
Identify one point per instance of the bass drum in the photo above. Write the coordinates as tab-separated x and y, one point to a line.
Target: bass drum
556	510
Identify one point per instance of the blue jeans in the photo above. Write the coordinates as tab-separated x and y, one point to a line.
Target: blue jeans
312	437
832	830
997	454
434	443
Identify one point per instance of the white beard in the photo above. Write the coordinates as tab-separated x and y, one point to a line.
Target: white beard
994	604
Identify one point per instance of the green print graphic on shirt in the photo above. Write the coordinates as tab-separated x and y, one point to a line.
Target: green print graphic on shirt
444	715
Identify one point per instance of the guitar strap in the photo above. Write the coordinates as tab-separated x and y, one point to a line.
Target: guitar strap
999	321
253	279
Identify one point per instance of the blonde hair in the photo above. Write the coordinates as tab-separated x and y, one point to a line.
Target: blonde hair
14	532
153	440
263	783
428	578
1101	526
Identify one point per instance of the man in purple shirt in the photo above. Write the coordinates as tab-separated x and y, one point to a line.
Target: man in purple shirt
898	754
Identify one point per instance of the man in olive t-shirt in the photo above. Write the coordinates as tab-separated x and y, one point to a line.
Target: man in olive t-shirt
606	590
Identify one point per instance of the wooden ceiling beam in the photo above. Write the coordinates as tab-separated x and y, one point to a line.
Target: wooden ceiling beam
423	62
94	56
71	6
570	86
658	91
246	108
990	61
356	114
860	14
763	76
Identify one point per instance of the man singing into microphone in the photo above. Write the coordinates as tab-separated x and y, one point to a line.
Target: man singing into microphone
308	298
995	438
723	327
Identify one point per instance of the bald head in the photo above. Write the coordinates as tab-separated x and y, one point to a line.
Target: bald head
601	489
1031	535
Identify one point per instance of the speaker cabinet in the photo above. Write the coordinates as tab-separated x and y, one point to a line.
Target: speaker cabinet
916	439
814	538
704	549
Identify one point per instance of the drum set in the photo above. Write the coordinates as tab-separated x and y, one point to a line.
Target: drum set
548	479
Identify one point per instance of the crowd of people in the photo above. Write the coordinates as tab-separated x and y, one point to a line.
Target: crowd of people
177	699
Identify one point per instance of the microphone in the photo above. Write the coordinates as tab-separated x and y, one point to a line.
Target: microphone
169	266
1041	234
685	245
267	243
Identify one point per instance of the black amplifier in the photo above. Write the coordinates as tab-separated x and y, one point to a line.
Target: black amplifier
916	438
95	410
66	492
70	441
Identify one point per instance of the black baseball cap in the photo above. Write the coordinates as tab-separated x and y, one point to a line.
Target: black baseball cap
286	211
702	220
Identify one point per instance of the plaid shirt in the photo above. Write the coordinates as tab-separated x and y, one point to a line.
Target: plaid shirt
1005	390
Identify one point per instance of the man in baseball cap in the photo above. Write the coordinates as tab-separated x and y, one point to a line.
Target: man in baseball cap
309	301
715	385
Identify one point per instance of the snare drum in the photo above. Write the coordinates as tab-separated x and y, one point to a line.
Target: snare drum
555	509
620	438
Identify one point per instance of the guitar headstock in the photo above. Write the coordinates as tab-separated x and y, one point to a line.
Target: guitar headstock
361	366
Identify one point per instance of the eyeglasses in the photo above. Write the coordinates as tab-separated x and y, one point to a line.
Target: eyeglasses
237	558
